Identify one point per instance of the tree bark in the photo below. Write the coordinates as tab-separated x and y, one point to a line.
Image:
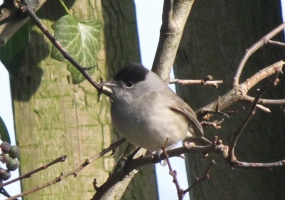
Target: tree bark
215	38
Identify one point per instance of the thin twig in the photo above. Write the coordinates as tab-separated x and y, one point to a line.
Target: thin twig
197	82
239	164
252	49
251	112
217	147
265	101
263	108
173	173
72	172
239	93
199	180
275	43
29	174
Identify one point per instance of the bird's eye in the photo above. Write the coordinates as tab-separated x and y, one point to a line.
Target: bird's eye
129	84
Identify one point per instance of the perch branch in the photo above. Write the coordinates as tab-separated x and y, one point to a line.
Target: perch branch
152	159
216	147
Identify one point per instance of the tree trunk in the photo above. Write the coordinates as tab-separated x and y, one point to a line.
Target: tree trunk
54	117
215	38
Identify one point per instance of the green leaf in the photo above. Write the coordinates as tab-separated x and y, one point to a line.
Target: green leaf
12	53
80	40
4	132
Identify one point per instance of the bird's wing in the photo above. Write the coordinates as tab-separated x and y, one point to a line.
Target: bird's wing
191	118
195	127
179	106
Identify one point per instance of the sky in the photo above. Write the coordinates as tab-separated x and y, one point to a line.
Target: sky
149	14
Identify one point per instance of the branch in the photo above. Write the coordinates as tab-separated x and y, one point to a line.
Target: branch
199	180
239	164
265	101
74	172
252	49
275	43
29	174
261	75
117	182
173	173
175	14
180	192
251	112
239	93
130	166
192	82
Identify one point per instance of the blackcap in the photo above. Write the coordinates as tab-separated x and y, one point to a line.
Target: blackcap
146	111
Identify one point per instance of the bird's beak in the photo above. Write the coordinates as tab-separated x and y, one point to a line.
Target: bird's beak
107	86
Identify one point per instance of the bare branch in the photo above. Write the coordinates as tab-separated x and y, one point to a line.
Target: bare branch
199	180
74	172
275	43
180	192
260	75
265	101
251	112
29	174
173	173
253	48
239	164
239	93
192	82
175	14
261	107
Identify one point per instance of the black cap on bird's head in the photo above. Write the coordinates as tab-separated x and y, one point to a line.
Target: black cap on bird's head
134	72
128	76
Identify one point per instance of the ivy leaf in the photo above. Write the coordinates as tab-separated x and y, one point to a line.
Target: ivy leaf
4	132
80	40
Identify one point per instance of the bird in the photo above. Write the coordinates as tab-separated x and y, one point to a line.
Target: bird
146	112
